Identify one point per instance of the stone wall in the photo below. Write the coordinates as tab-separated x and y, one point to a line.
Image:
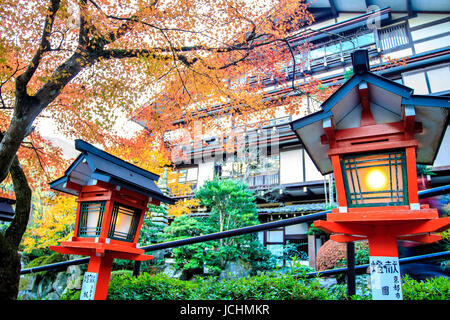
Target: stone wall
49	285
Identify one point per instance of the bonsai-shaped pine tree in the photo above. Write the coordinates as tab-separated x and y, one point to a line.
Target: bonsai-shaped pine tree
231	205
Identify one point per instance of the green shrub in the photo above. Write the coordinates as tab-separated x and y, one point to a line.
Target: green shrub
264	286
45	260
148	287
71	294
271	286
437	288
119	273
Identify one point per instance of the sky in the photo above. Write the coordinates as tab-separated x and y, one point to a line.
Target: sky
47	128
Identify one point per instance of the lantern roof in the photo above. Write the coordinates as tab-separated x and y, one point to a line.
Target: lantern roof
94	164
389	101
6	210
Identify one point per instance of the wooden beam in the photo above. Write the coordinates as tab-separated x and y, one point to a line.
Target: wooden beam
411	170
380	146
346	238
371	131
333	8
73	186
422	238
366	115
434	225
330	131
339	179
352	229
409	115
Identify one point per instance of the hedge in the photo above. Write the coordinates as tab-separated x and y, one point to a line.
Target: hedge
261	287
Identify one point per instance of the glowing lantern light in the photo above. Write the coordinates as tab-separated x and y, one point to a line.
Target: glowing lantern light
376	180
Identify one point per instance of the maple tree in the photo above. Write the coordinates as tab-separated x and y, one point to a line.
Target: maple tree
87	63
91	61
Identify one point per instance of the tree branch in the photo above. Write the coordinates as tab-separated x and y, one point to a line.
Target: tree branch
130	53
62	76
124	27
293	59
24	78
245	45
83	38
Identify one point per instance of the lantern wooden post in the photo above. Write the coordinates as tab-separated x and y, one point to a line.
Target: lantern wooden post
101	266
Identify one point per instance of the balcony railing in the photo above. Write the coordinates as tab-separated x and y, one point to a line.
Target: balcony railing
264	180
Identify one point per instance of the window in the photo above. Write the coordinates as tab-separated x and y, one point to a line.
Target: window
317	54
188	175
362	40
256	171
431	80
341	48
91	218
187	178
393	37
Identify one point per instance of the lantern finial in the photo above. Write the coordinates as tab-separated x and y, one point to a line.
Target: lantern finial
360	61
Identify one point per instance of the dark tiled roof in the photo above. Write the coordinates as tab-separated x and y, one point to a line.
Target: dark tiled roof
298	208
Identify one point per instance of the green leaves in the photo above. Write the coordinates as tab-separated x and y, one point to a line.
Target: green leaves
262	287
231	205
437	288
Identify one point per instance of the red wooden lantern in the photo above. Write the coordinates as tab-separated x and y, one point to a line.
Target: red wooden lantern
112	201
370	134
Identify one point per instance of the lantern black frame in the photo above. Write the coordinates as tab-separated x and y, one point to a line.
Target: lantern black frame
86	208
119	208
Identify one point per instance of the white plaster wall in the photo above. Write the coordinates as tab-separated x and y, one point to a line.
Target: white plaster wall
301	228
205	172
423	18
397	54
346	16
432	44
312	174
430	31
443	155
322	24
291	166
416	81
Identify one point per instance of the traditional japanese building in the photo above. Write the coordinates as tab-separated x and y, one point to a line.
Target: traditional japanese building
285	180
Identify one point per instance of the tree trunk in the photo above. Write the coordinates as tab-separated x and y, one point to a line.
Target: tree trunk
10	240
19	128
9	271
27	107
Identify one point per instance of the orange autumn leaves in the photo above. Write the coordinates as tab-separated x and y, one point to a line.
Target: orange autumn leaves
181	60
